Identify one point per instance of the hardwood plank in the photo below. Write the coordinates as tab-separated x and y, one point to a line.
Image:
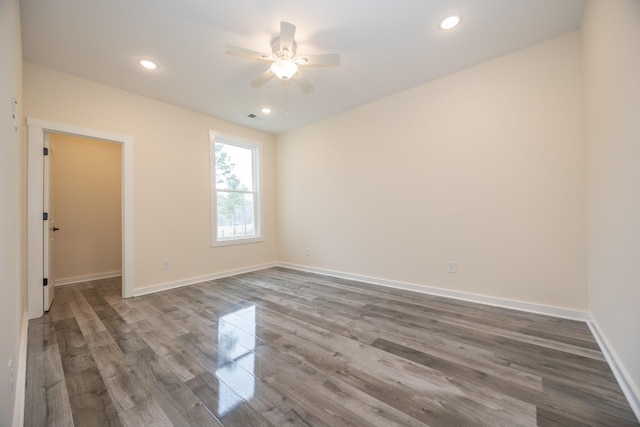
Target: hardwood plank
317	353
228	406
134	403
273	406
88	396
280	347
495	384
89	399
180	405
46	388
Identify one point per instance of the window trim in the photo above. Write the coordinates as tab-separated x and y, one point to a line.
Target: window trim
256	148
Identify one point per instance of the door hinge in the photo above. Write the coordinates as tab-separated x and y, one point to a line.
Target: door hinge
45	216
45	151
45	282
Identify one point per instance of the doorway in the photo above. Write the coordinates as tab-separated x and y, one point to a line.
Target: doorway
85	209
37	234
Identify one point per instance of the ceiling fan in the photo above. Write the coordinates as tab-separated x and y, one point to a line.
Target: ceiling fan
284	61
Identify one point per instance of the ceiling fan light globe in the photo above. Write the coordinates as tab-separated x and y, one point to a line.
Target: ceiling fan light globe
284	69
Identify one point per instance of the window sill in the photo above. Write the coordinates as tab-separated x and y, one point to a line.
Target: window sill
239	241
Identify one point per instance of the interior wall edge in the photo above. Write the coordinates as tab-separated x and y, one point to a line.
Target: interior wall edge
560	312
629	388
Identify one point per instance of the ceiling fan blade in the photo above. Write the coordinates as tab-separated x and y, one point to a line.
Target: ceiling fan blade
262	79
303	82
287	32
325	59
247	53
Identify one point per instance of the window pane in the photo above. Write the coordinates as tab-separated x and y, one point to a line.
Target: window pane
235	215
235	198
234	167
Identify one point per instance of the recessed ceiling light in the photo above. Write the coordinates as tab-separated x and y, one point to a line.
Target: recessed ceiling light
148	64
450	21
266	110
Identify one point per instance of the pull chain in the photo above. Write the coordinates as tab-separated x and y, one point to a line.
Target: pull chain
286	99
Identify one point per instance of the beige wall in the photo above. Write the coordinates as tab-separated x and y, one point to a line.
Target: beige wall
86	192
611	67
484	167
12	207
171	173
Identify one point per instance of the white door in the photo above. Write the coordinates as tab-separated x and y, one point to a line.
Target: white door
49	228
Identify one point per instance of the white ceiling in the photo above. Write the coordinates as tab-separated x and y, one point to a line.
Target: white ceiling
385	46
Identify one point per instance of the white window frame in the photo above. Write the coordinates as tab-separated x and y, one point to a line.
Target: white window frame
256	148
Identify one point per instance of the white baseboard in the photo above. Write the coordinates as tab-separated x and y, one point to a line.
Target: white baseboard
631	391
87	278
482	299
21	377
548	310
194	280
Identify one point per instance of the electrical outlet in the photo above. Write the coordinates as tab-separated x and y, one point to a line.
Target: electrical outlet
10	377
166	264
307	252
451	266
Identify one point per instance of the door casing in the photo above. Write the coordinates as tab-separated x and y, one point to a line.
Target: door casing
35	191
47	226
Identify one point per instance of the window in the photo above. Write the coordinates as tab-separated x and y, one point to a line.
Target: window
235	191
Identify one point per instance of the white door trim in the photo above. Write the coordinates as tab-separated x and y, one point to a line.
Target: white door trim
47	232
35	188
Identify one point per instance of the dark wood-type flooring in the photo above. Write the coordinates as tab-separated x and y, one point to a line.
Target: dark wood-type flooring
284	348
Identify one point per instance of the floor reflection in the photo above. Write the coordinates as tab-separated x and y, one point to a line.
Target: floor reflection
236	340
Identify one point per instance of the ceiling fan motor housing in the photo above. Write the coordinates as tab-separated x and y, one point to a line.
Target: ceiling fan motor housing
285	53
